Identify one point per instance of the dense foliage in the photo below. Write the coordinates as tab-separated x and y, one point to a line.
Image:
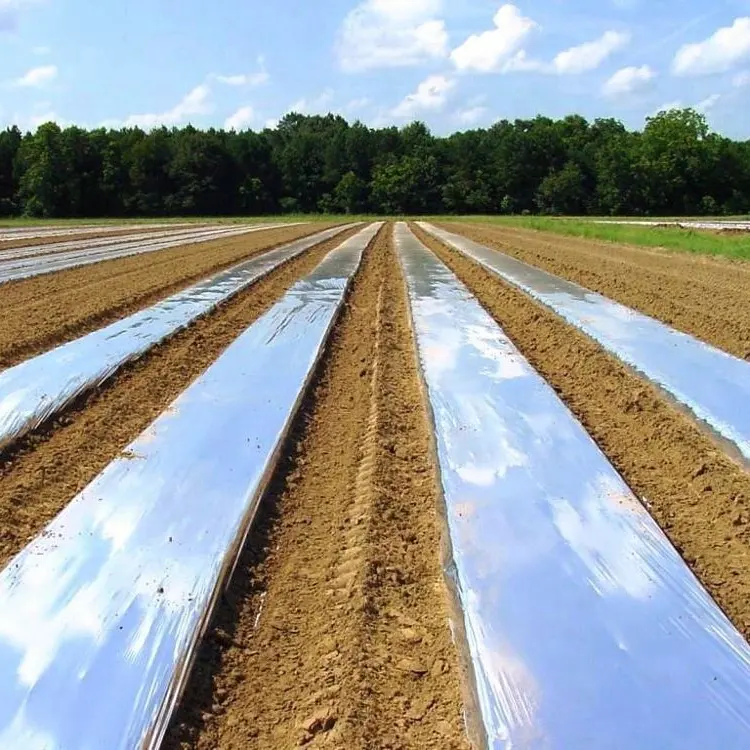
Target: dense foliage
308	164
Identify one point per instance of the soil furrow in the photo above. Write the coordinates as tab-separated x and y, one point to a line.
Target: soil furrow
49	310
697	494
42	473
706	297
335	628
83	237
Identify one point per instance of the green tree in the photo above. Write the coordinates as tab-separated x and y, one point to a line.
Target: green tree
351	194
563	191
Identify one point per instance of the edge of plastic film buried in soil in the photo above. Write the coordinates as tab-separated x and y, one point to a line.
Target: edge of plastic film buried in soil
712	385
35	390
30	252
585	628
103	611
82	245
26	268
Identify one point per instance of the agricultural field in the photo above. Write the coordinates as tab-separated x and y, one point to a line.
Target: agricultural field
353	483
719	237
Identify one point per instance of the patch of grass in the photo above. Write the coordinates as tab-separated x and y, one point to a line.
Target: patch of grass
670	238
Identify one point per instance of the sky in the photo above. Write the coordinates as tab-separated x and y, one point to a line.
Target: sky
454	64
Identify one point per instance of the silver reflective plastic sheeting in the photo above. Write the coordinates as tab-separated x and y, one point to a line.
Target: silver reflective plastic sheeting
103	611
742	226
34	390
24	268
79	244
712	384
8	234
584	626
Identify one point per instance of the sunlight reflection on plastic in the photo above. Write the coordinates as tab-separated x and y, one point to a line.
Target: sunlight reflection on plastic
93	245
81	230
103	611
18	267
712	384
34	390
585	628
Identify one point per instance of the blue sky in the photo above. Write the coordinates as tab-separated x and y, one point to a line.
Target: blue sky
452	63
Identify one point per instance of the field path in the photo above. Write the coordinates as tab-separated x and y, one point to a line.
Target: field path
335	629
706	297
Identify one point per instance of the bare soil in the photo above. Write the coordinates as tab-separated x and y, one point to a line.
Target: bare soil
694	491
42	473
335	630
45	311
53	239
704	296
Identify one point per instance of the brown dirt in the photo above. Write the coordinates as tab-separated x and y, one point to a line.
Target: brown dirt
335	630
706	297
39	476
48	310
696	493
55	238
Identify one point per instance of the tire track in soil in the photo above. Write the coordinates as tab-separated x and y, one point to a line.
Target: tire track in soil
43	472
45	311
334	631
697	294
699	496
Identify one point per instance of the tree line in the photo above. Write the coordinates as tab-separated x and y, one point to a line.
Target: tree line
674	166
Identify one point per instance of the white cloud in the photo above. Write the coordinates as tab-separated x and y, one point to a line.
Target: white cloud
708	103
741	79
240	119
40	119
499	49
722	51
9	10
258	78
431	95
629	81
38	77
194	103
391	34
590	55
237	80
320	104
357	104
471	115
668	107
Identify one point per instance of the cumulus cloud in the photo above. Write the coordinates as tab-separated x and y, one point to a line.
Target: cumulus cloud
9	10
499	49
431	95
317	105
43	117
197	102
391	34
708	103
590	55
722	51
241	119
38	77
471	115
629	80
258	78
668	107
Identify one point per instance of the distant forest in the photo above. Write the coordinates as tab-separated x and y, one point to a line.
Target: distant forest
675	166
